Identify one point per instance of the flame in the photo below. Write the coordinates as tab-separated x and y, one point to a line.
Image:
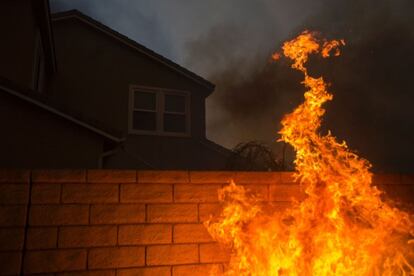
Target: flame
276	56
342	227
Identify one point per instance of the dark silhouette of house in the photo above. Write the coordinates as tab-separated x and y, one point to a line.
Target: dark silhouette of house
77	94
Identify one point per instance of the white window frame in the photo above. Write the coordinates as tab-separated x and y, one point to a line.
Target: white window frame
159	110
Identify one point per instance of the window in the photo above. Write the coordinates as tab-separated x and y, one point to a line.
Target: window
159	111
174	113
145	111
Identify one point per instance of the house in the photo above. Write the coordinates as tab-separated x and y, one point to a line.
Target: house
76	94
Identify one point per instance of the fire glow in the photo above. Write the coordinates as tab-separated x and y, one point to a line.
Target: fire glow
342	227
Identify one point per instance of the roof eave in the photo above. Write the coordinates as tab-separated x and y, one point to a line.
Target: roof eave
60	114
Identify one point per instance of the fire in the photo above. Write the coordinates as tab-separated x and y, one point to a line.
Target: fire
342	227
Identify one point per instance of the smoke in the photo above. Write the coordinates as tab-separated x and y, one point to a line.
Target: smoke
230	42
138	20
371	81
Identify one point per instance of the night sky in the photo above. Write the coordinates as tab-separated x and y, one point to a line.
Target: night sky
230	42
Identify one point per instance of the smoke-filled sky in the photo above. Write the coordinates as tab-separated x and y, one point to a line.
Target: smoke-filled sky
230	42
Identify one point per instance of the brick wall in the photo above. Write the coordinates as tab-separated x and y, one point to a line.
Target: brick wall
109	222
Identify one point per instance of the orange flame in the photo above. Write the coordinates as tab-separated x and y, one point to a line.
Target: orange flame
341	228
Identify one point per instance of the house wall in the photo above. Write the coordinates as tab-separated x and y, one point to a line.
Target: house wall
35	138
166	154
127	222
17	47
96	70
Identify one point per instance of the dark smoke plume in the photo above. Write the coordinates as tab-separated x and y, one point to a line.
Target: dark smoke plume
373	106
230	42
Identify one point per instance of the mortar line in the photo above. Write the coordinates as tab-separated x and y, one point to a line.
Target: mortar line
119	193
58	229
60	193
117	235
173	193
87	258
172	233
89	214
26	226
199	254
198	213
145	255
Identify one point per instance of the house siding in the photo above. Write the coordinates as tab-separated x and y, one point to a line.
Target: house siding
81	117
35	138
17	48
96	70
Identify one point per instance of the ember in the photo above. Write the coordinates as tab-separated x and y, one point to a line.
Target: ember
342	227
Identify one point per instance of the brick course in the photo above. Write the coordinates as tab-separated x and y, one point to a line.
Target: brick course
196	193
165	213
127	222
117	213
148	193
42	237
10	262
90	193
191	233
116	257
207	210
87	236
14	176
213	252
105	272
146	271
59	215
12	215
14	193
145	234
54	261
11	238
111	176
43	193
197	270
163	177
59	176
172	254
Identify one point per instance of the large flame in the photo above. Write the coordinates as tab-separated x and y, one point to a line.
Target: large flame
341	228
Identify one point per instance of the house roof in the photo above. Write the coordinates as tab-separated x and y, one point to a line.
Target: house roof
38	100
216	147
135	45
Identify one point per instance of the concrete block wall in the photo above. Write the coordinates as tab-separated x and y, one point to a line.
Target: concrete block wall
127	222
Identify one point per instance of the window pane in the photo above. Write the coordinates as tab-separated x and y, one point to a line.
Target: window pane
174	103
144	120
174	123
145	100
